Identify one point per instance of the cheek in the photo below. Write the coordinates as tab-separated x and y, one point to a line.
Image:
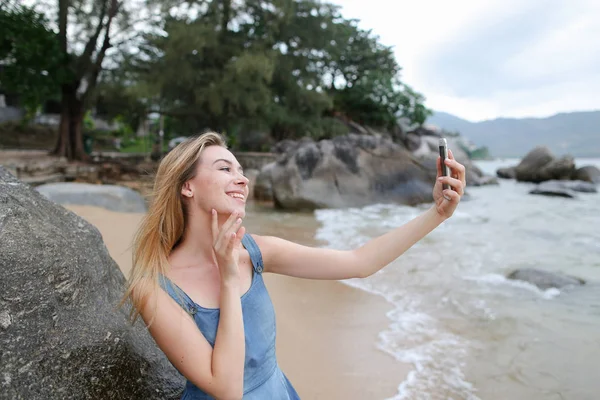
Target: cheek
207	188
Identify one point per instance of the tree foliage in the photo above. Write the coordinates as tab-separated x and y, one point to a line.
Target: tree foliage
280	65
30	59
287	68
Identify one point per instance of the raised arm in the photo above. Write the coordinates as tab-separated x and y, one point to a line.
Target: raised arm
288	258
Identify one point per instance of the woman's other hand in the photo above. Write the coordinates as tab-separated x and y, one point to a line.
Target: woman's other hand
226	244
447	200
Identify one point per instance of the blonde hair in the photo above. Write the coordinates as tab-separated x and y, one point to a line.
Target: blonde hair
163	225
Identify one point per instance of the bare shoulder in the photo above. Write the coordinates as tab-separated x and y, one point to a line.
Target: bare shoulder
269	245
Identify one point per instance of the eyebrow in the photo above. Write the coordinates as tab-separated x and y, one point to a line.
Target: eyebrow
228	162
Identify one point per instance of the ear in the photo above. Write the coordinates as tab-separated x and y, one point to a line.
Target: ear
186	190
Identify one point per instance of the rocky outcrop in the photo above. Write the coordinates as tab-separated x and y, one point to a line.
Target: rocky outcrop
263	190
563	188
544	279
111	197
588	173
351	170
540	165
507	173
428	152
359	169
60	334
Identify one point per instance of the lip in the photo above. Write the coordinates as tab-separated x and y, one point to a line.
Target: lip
237	198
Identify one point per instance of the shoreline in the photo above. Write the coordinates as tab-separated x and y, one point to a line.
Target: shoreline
327	331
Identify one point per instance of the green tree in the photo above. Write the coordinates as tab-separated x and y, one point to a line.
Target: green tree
289	67
30	59
90	34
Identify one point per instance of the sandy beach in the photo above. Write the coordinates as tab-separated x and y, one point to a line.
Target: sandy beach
327	331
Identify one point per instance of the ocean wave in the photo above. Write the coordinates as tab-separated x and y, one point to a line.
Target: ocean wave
418	339
413	337
500	280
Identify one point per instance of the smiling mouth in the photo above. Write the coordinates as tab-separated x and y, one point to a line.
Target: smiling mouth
237	196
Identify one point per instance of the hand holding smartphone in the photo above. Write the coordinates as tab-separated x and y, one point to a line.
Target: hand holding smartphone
444	155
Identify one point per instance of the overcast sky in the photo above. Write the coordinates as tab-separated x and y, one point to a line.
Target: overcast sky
482	59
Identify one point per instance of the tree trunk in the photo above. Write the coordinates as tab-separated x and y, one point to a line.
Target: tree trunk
76	131
70	133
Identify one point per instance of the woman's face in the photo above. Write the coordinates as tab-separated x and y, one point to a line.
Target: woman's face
219	183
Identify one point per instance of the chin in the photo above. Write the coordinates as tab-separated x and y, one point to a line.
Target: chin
241	210
229	210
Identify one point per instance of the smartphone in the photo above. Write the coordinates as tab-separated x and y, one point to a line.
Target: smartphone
443	156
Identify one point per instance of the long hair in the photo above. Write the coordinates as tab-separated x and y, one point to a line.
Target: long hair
163	226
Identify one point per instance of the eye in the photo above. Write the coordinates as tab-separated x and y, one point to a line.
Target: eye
228	169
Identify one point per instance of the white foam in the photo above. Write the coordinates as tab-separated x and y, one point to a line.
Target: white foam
417	338
500	280
413	337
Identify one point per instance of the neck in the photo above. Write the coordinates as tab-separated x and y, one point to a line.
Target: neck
197	241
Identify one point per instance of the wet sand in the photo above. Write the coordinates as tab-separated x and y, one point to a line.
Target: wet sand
326	331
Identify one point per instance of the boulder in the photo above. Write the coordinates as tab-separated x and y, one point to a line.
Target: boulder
540	165
576	186
588	173
544	279
350	170
263	188
553	191
61	335
563	188
506	173
428	152
111	197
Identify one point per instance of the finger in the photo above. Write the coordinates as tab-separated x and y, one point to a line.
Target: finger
236	226
239	235
228	224
450	155
451	195
231	242
456	184
438	165
457	168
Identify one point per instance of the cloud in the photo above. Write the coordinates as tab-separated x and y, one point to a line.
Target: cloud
485	59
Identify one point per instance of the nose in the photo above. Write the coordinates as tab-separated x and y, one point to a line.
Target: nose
242	180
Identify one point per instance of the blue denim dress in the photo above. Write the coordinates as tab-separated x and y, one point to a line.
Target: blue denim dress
263	379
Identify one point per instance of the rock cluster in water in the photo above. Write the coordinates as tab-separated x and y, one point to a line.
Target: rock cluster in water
555	176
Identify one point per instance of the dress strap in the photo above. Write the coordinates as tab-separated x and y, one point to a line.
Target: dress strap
255	254
177	294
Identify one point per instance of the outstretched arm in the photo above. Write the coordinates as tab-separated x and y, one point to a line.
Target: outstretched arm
288	258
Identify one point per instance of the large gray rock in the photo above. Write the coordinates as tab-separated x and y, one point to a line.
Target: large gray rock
111	197
428	152
553	191
351	170
540	165
563	188
506	173
588	173
544	279
576	186
60	334
263	187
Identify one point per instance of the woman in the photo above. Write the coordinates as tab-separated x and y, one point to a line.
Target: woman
213	317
